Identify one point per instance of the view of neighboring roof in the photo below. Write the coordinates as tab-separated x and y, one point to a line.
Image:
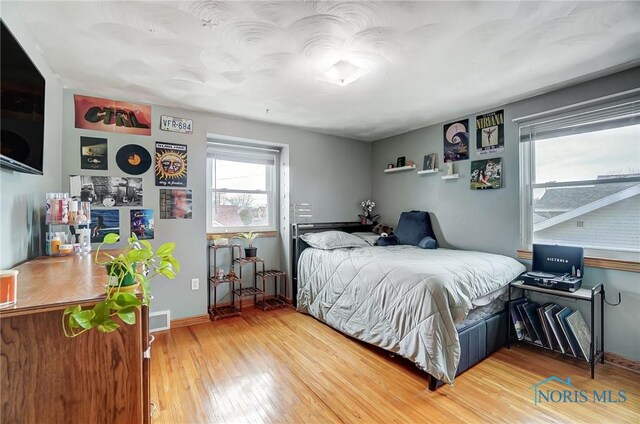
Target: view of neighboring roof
568	198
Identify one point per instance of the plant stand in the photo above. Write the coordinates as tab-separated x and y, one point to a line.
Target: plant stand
218	312
278	301
248	291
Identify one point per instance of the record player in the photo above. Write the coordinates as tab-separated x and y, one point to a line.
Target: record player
556	267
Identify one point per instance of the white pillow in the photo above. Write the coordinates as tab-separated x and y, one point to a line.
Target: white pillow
328	240
369	237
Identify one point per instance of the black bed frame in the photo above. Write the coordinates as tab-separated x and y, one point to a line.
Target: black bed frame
477	341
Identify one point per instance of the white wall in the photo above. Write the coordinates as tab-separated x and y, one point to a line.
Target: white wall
23	195
489	220
330	172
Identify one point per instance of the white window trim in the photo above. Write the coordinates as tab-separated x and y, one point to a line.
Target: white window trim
527	160
272	195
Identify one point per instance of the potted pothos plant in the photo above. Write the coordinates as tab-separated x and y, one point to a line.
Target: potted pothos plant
133	267
250	251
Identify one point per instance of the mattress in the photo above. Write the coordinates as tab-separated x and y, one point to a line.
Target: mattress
403	299
481	313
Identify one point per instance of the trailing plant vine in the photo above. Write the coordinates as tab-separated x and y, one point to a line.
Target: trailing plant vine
138	260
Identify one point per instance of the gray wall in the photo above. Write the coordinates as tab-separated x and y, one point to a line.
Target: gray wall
489	220
334	174
23	195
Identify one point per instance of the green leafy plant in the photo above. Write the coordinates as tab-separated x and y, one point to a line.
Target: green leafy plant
249	237
139	261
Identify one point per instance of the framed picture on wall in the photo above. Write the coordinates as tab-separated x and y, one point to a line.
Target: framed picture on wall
429	162
456	141
490	133
486	174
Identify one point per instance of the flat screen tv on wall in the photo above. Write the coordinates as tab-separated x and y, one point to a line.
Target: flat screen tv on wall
21	108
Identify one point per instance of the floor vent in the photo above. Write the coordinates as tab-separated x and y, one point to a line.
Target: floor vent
160	320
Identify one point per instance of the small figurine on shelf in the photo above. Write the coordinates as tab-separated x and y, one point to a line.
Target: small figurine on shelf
231	275
220	273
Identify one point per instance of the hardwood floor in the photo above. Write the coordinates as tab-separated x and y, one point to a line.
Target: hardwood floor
285	367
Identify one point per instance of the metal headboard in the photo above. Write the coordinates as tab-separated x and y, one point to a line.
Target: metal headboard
299	245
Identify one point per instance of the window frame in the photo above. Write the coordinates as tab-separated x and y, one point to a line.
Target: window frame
621	109
271	182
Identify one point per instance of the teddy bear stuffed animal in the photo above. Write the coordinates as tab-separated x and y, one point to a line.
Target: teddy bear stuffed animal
382	230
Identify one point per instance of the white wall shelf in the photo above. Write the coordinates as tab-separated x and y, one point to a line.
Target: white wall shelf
400	169
428	171
451	177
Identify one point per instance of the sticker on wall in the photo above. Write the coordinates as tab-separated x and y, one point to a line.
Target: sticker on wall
486	174
106	192
133	159
175	203
103	222
490	133
93	153
171	165
142	223
456	141
94	113
174	124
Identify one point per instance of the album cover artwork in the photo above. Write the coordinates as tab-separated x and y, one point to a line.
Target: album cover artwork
93	153
490	133
133	159
171	165
106	192
103	222
142	223
456	141
94	113
175	203
486	174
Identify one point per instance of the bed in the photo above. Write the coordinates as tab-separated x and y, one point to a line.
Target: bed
442	309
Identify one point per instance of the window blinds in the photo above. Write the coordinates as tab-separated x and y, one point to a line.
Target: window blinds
242	153
595	117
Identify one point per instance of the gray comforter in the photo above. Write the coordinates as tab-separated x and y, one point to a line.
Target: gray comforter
401	298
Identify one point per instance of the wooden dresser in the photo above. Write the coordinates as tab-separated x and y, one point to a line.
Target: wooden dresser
46	377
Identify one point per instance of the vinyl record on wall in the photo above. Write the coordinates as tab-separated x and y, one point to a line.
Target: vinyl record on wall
133	159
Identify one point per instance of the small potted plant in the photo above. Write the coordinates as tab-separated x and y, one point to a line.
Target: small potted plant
249	252
135	266
367	215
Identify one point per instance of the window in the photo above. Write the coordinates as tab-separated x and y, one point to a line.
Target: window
580	178
242	188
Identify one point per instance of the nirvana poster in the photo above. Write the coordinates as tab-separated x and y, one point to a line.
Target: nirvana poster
171	165
486	174
456	141
142	223
490	133
94	113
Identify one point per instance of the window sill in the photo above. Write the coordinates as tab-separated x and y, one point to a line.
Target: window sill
617	264
231	235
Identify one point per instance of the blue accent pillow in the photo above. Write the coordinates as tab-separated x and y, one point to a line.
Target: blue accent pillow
413	227
428	243
391	240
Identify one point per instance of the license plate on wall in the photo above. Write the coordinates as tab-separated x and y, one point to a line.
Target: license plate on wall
174	124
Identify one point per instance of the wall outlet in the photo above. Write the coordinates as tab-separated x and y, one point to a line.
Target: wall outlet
195	283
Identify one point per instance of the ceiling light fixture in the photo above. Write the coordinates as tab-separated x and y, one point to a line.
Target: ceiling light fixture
342	73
